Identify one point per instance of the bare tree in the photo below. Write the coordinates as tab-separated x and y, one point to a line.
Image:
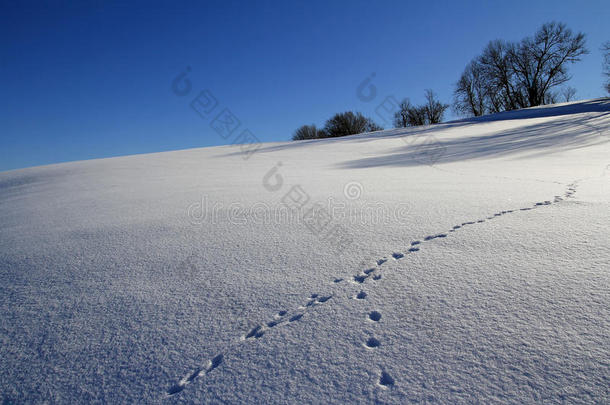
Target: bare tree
507	76
606	51
418	116
499	77
349	123
401	117
471	93
435	110
307	132
409	115
551	97
540	63
568	93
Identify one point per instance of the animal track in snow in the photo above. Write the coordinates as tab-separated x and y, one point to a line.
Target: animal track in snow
430	237
195	374
212	364
315	299
361	295
363	277
175	389
360	278
372	343
215	363
296	317
374	316
255	332
385	380
281	318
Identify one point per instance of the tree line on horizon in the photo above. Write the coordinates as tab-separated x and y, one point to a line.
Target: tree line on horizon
351	123
505	76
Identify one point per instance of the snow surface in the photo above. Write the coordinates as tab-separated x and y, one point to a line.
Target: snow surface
482	275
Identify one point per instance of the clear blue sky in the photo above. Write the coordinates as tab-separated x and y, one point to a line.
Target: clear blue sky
89	80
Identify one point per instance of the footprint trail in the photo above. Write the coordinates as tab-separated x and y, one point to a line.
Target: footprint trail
284	317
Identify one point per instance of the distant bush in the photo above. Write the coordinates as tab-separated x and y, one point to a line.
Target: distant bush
307	132
341	124
349	123
409	115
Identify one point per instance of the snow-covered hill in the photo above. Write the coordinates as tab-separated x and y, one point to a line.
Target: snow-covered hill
461	262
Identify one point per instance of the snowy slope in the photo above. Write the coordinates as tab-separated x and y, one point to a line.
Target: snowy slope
461	262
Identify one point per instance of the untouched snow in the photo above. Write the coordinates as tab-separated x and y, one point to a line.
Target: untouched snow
474	267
